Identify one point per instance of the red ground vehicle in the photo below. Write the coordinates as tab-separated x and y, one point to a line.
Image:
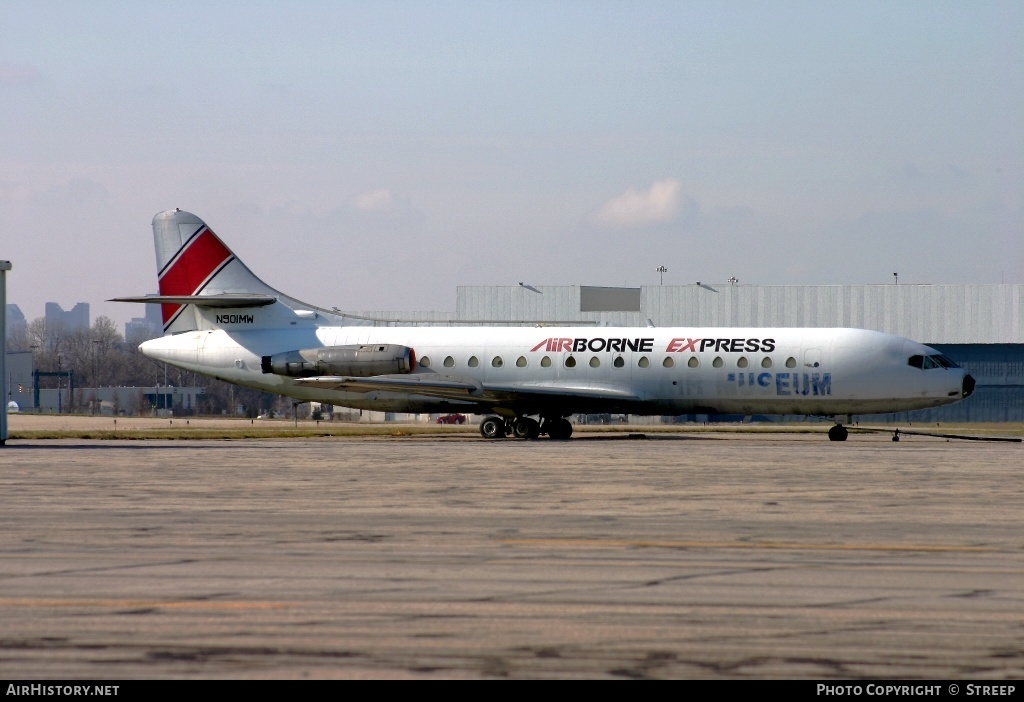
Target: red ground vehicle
452	419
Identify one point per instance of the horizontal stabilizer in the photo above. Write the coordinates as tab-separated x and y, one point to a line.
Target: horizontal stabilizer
219	300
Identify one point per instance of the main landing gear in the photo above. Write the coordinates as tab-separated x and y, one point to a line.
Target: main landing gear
525	427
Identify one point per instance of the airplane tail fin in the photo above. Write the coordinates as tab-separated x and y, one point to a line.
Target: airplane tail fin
193	262
204	285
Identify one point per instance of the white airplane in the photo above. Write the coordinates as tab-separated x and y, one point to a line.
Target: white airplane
222	321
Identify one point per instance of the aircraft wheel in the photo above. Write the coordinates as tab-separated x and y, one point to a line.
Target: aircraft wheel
526	428
838	433
559	428
492	428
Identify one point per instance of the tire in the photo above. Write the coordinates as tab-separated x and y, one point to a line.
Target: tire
559	429
492	428
838	433
526	428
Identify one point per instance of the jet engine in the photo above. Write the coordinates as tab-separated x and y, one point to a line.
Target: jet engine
356	360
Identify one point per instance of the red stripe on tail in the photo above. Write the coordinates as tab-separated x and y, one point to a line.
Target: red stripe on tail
203	255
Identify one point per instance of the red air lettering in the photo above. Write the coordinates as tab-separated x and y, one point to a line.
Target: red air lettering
555	345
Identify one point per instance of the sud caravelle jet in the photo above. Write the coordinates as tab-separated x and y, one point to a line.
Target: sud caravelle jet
220	320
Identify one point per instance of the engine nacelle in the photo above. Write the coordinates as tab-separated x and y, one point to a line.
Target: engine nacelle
357	360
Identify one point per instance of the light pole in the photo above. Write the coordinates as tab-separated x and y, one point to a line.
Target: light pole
662	271
4	267
95	374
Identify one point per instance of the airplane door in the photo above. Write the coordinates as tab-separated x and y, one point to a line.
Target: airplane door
201	354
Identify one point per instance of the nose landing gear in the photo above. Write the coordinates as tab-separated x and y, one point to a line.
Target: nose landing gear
838	433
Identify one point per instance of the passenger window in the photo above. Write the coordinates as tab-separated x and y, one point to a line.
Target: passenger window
595	361
718	362
618	362
497	362
449	362
766	362
545	362
473	362
790	362
570	362
521	361
668	362
693	362
741	362
643	362
425	362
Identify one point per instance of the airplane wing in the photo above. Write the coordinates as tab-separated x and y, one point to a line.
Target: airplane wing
454	387
225	300
449	387
552	390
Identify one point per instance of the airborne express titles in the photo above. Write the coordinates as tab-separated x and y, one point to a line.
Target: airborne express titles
646	344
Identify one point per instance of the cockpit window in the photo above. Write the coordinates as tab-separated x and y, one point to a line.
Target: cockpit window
934	361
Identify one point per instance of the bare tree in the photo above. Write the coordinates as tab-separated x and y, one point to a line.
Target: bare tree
137	404
101	357
17	338
47	342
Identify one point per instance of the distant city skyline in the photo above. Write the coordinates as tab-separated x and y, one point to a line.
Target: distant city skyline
79	317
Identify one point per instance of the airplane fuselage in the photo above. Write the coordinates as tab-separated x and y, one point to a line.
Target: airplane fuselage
665	371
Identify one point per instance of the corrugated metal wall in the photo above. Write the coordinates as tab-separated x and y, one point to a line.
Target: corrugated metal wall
552	303
948	314
952	314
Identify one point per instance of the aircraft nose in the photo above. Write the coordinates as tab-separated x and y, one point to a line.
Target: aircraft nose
969	384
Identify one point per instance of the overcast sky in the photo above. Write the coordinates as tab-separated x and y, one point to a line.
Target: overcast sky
374	155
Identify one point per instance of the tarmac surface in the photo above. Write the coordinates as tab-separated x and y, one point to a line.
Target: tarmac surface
670	556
